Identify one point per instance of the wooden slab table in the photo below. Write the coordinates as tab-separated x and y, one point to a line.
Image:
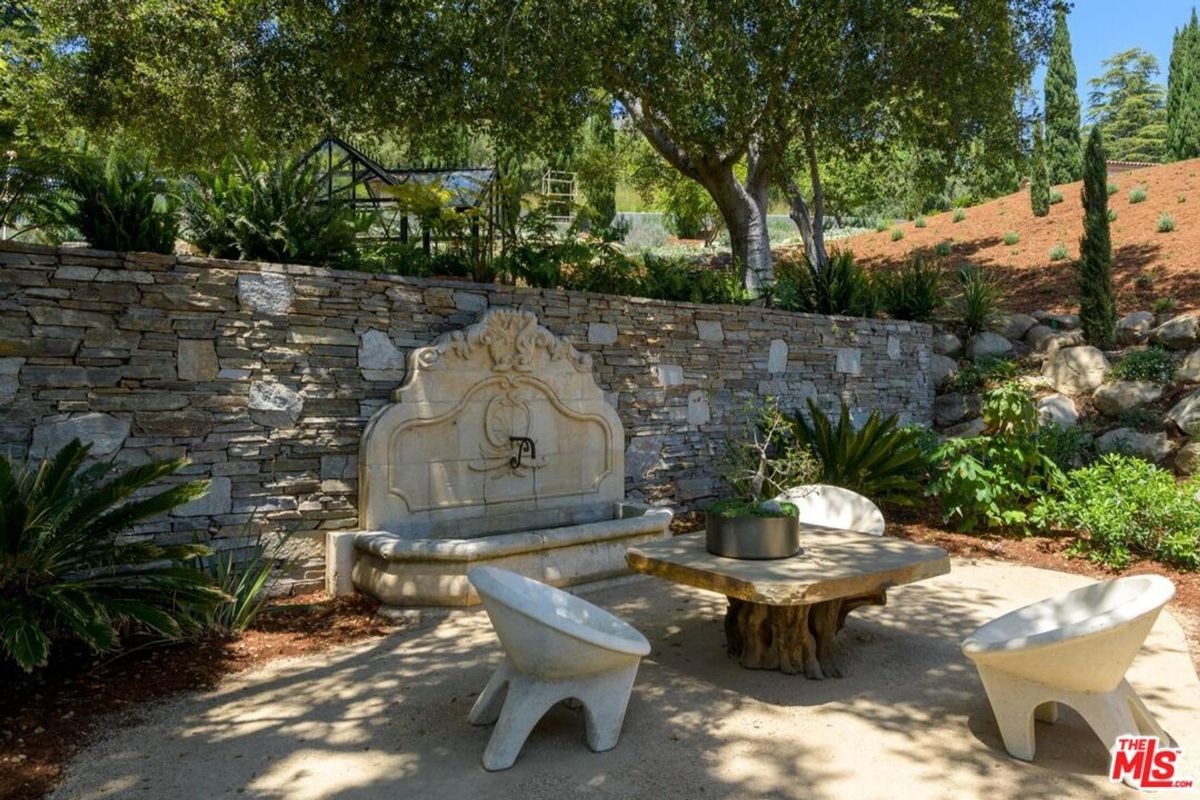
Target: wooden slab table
785	614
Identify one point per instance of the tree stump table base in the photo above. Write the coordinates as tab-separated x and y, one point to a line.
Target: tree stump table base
792	639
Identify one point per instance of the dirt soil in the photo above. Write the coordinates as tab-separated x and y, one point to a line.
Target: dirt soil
45	718
1147	265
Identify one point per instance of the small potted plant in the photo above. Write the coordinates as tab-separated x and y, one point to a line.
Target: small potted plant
758	466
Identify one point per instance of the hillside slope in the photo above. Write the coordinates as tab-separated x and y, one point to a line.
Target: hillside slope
1147	265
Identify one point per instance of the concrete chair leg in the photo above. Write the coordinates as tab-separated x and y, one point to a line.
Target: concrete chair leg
1015	702
516	702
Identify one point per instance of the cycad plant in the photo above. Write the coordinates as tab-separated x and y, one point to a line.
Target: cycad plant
880	459
66	571
116	201
269	211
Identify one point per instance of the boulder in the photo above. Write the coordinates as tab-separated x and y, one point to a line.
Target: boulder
1178	332
965	430
942	369
1076	370
1014	326
1046	341
1187	460
950	409
946	344
988	345
1189	370
1063	322
1118	397
1057	409
1153	447
275	405
1135	328
1186	414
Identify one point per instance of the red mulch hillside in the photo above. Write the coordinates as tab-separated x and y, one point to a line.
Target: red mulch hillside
1171	261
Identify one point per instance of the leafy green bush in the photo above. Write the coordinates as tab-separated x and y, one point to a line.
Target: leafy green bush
1056	197
66	570
1011	238
1166	223
1125	508
736	508
943	249
879	460
1137	195
115	201
1059	252
1112	215
995	479
978	299
683	280
914	292
260	211
1153	364
1164	305
975	376
1113	188
1140	419
959	215
897	234
1067	446
841	287
881	226
920	222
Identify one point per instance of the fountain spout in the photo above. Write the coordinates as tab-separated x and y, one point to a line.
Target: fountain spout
524	445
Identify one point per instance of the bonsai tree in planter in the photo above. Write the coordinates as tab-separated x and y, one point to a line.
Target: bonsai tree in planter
761	460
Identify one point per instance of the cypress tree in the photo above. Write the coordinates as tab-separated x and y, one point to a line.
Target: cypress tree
1039	179
1063	156
1183	93
1097	304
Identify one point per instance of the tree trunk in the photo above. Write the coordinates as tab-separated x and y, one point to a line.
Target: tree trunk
811	226
743	207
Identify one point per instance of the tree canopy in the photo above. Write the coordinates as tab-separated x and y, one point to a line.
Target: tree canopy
1064	154
1129	106
1183	93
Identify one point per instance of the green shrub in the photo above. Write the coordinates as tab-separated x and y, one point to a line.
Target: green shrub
1137	195
959	215
262	211
1056	197
1069	447
115	201
684	280
995	480
879	460
881	226
1154	364
897	234
243	578
1058	252
914	292
978	300
736	508
1125	508
920	222
1011	238
1140	419
1164	305
1113	188
1112	215
1166	223
68	571
943	249
841	287
975	376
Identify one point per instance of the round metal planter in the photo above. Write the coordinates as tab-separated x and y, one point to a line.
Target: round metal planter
752	537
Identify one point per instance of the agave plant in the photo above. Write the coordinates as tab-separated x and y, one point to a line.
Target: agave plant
244	579
880	459
115	201
66	571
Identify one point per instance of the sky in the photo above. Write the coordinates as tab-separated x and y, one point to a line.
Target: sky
1102	28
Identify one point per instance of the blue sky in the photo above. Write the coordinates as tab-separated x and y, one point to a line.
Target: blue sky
1101	28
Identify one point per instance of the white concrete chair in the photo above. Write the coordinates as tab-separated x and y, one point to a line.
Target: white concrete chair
1073	649
556	647
834	507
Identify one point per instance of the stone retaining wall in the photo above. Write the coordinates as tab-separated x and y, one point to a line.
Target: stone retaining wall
264	375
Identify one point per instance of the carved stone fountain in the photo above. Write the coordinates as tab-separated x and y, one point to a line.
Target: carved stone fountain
499	449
